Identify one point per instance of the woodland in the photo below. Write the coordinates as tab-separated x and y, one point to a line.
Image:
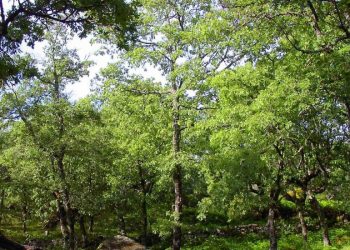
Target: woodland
245	144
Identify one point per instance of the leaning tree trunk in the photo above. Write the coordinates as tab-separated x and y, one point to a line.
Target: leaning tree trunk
177	174
322	218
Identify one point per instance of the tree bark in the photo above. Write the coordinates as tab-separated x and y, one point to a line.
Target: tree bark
24	218
59	157
322	218
2	198
315	19
347	107
91	223
272	228
271	219
66	200
177	234
300	210
144	221
274	194
70	223
144	206
62	217
83	231
177	174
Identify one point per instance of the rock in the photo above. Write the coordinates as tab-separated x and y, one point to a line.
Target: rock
26	247
120	243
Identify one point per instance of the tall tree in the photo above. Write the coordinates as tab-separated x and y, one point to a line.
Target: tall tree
42	100
135	119
169	41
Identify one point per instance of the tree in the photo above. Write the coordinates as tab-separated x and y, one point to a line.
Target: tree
27	21
41	100
135	122
276	122
169	41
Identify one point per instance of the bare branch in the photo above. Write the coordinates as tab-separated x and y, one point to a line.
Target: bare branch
147	92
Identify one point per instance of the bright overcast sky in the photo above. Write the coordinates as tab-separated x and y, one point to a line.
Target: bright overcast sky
87	50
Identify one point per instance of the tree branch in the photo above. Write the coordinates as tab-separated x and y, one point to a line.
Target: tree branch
147	92
315	18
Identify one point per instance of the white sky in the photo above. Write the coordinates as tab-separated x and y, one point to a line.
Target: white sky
87	50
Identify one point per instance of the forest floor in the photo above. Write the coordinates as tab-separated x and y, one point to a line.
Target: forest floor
289	240
340	238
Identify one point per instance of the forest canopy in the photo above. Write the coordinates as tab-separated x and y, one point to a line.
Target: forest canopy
243	143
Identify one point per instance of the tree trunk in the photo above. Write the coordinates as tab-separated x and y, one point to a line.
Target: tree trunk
177	209
82	229
70	219
347	107
272	228
302	221
144	220
271	219
91	223
273	197
24	218
143	185
62	217
70	222
66	200
177	174
2	198
121	224
59	157
322	218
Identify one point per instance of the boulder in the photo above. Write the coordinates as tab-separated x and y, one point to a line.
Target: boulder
120	242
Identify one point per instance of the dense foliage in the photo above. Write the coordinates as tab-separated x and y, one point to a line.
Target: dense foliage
247	132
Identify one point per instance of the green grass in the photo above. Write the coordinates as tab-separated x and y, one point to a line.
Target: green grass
340	238
11	227
106	226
